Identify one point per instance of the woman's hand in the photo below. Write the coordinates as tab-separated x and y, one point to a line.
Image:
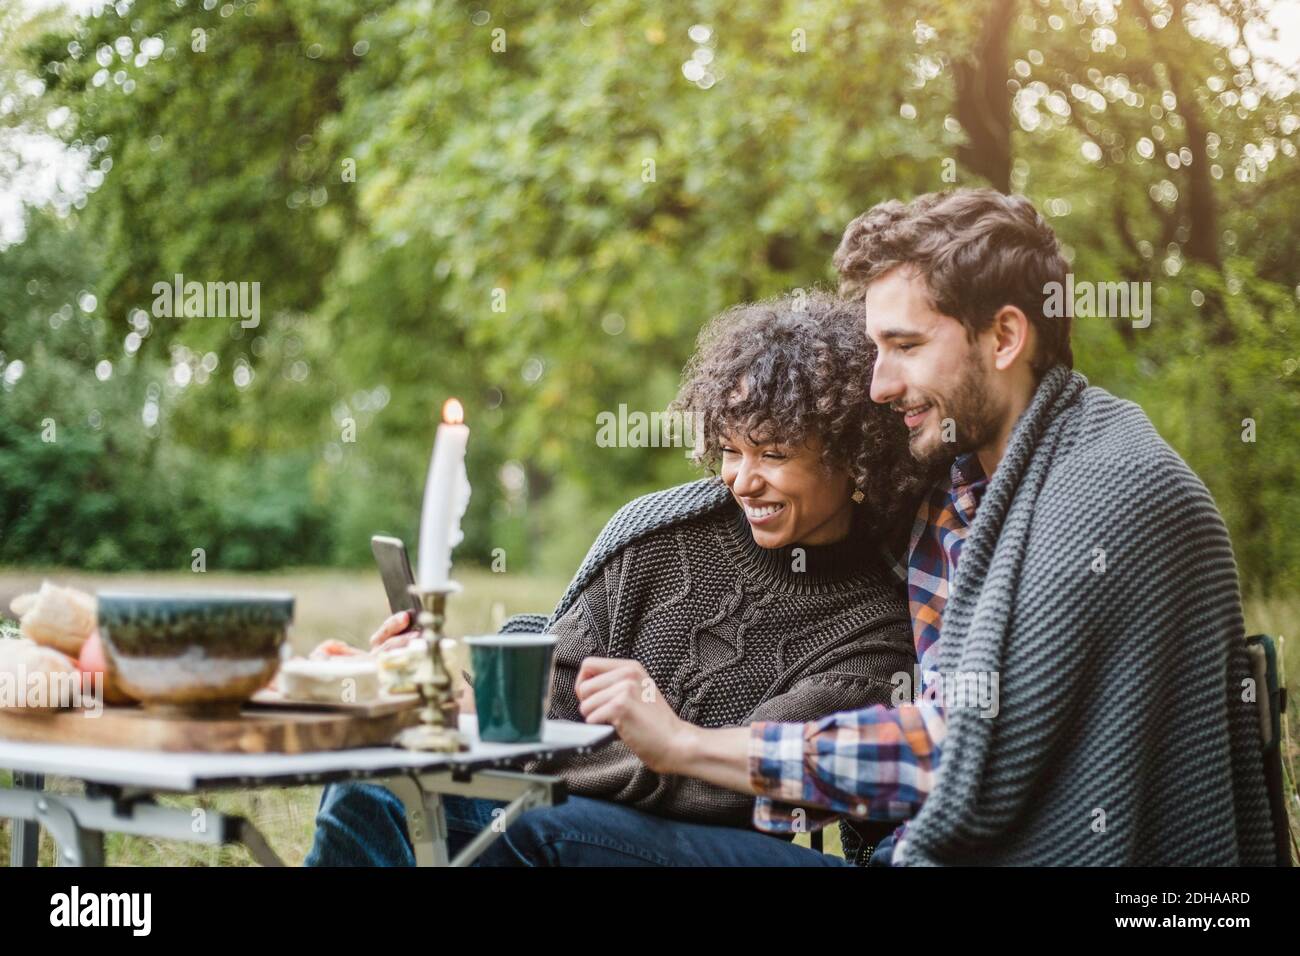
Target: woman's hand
619	692
393	633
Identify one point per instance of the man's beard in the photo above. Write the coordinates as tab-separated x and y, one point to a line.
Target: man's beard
974	420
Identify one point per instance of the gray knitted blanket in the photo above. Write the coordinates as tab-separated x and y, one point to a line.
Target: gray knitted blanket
632	522
1098	583
638	518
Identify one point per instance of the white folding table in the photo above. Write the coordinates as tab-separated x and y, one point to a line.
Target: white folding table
121	786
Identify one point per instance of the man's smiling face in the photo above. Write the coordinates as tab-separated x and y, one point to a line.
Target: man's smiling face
928	369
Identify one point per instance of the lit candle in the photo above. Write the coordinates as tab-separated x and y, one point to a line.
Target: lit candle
446	495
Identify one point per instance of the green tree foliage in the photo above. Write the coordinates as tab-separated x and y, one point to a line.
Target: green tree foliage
535	209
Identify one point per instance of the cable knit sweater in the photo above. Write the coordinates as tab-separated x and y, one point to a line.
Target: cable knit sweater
730	632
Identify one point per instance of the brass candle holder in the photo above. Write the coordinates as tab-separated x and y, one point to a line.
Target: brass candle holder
438	729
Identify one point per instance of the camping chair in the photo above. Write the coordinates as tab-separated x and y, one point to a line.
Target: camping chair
1271	697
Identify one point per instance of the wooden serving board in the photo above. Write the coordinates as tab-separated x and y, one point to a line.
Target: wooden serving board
253	731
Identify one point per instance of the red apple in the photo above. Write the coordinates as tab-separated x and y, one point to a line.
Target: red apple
94	661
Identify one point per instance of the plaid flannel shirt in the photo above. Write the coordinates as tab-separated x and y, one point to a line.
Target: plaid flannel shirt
878	763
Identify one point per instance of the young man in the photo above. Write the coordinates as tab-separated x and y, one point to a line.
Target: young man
1085	692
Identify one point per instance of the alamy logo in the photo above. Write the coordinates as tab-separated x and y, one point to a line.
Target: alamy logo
649	430
1102	300
103	909
208	300
41	690
976	690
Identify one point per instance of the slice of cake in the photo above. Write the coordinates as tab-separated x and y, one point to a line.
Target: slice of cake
340	680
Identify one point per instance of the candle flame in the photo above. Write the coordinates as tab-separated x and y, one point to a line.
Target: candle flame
453	413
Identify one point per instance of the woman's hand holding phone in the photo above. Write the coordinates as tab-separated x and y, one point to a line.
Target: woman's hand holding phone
397	632
393	633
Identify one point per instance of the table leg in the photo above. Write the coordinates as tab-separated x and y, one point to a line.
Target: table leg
77	824
426	820
244	831
77	846
26	834
502	819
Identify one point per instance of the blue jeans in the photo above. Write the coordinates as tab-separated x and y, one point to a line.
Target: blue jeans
362	824
883	854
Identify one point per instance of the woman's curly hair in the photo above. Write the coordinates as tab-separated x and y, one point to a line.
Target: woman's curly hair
793	367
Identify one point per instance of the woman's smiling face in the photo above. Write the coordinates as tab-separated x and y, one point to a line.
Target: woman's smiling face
787	492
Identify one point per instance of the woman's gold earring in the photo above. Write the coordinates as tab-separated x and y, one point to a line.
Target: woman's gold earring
858	496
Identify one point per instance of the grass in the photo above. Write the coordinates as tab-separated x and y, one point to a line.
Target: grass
349	605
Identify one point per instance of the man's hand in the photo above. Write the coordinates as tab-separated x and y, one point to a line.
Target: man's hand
619	692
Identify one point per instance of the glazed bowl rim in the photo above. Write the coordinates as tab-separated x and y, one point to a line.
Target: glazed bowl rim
199	597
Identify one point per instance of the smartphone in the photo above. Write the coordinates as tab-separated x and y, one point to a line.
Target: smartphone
395	570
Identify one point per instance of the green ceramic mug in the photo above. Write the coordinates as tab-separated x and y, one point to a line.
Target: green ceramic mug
512	685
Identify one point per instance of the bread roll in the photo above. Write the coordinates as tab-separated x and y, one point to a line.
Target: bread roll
19	660
57	617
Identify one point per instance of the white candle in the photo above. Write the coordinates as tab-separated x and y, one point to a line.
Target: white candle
446	495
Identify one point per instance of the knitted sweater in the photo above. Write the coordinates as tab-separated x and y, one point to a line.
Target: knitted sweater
730	633
1098	582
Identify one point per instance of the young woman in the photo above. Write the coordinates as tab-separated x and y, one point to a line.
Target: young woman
761	593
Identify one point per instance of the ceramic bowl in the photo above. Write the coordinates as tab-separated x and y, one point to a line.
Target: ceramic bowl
199	653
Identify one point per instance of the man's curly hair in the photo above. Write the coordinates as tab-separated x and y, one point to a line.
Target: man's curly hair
791	368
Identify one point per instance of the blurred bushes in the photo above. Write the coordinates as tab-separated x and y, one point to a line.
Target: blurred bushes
59	504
